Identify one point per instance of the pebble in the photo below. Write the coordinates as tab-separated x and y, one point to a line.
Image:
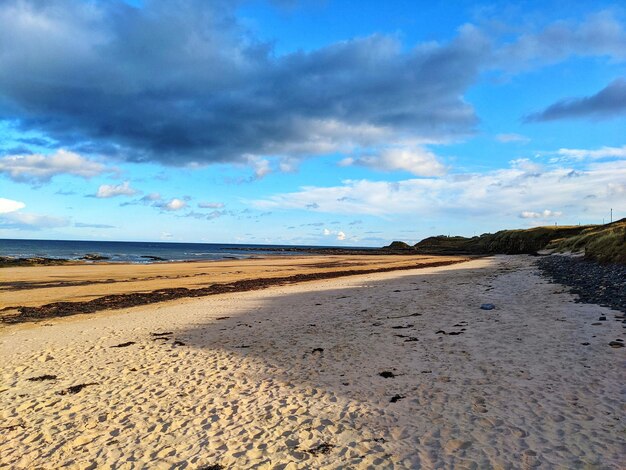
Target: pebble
594	283
487	306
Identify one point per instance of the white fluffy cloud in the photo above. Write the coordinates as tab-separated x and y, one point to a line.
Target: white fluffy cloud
9	205
545	214
37	168
173	204
339	235
123	189
499	193
415	160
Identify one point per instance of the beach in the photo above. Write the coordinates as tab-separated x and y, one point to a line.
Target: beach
397	369
81	282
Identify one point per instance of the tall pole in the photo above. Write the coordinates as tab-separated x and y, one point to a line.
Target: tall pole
611	215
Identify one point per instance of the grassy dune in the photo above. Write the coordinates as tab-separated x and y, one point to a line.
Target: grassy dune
604	243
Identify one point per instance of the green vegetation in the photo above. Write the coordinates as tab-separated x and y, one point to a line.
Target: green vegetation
604	243
10	262
398	246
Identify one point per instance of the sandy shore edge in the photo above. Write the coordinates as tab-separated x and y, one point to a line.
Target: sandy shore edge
173	282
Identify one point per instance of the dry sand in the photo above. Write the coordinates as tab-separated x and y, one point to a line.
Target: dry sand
291	378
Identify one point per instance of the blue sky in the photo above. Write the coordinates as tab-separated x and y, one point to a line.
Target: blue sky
308	122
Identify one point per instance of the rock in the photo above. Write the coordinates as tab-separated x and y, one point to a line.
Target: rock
487	306
94	257
603	284
387	374
616	344
602	318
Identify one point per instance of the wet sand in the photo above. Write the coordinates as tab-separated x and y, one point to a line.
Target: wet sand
390	370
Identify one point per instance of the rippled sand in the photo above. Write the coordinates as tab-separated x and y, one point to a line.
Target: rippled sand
289	377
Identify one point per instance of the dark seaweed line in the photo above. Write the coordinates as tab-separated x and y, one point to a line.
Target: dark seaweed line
118	301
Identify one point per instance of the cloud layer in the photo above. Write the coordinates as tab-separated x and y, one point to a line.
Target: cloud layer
182	82
511	193
26	221
9	205
607	103
415	160
108	190
36	168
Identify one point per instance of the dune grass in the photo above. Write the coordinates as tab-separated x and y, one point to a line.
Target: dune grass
603	243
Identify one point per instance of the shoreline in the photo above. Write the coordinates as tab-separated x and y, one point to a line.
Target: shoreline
386	370
7	261
311	269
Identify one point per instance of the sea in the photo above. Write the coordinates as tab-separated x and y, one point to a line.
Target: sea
143	252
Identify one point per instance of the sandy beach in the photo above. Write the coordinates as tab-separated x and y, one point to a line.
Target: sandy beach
80	282
399	369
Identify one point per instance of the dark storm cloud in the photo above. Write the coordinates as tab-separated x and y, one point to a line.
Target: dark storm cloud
181	82
607	103
178	82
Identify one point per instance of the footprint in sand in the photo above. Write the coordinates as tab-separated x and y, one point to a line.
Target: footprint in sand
478	405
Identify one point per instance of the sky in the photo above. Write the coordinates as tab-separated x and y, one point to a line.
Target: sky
313	122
